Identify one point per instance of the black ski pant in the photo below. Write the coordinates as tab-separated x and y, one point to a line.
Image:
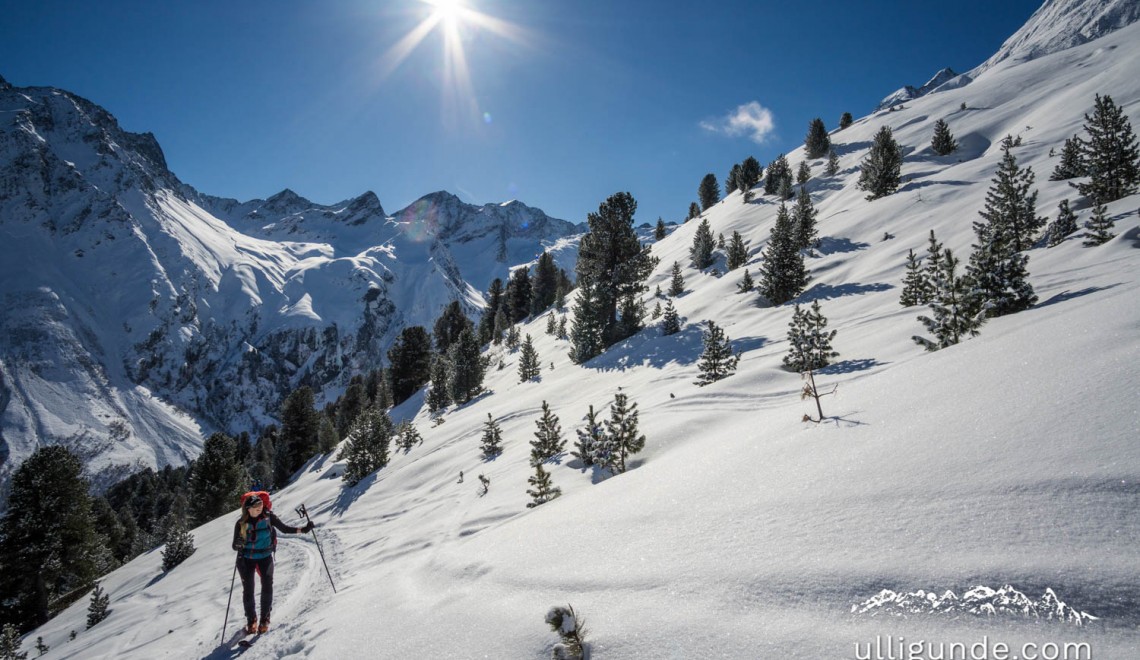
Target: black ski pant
263	567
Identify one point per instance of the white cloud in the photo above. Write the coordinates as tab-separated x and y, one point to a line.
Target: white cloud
751	119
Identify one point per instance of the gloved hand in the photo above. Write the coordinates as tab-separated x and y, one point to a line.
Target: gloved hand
308	527
238	546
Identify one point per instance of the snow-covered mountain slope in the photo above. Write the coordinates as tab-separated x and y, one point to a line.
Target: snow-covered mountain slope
909	93
1061	24
740	531
139	314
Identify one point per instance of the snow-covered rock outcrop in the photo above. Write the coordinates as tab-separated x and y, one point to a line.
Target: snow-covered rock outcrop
979	601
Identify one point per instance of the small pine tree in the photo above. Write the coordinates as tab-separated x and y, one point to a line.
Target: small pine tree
492	439
656	311
746	283
407	436
659	232
513	337
544	489
622	438
694	211
832	163
717	361
845	120
803	217
41	648
548	441
179	543
10	643
1010	213
1099	227
97	609
586	330
671	321
737	252
881	172
720	243
327	438
562	327
466	368
366	449
571	630
803	173
529	365
943	142
1110	154
954	316
591	441
782	274
914	291
701	252
1064	225
778	172
732	182
438	397
677	283
817	141
708	192
809	342
551	325
933	266
1072	163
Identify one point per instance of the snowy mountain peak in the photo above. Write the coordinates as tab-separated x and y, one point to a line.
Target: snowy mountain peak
4	84
1061	24
909	93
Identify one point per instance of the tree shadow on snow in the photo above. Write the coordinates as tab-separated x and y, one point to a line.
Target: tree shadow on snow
850	366
1133	235
1069	295
918	185
827	291
349	494
832	245
850	147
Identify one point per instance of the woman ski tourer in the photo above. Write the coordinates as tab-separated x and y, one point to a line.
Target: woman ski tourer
255	540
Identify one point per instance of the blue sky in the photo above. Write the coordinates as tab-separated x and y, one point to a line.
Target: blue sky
566	101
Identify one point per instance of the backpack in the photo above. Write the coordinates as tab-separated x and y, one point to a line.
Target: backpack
260	493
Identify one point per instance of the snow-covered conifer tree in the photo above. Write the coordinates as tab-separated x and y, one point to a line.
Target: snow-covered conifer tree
803	173
677	282
954	316
832	163
367	447
10	642
1072	163
622	438
97	608
571	630
543	489
943	142
737	252
746	283
1064	225
717	361
407	436
817	141
492	438
179	542
881	171
809	342
551	325
1110	154
915	289
701	252
529	366
803	217
438	397
548	441
782	273
1099	227
845	120
591	441
659	231
671	321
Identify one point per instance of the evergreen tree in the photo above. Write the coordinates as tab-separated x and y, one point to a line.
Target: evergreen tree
1064	225
450	323
656	311
487	321
543	489
845	120
179	542
351	403
1099	227
544	288
659	231
717	361
832	163
216	479
438	394
746	283
614	265
502	324
407	436
586	329
933	266
999	280
817	141
737	252
410	357
97	608
591	440
366	450
708	192
562	328
785	191
732	182
881	172
943	142
803	173
694	211
782	274
49	547
513	337
518	295
954	316
492	438
548	441
701	252
467	369
41	648
10	644
1010	213
551	324
1110	154
622	438
529	366
915	287
677	282
778	172
750	173
327	439
803	219
671	322
1072	163
809	342
298	439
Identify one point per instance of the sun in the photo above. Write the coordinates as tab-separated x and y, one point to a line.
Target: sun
447	11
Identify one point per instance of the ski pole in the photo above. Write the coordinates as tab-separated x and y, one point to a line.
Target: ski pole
302	512
229	598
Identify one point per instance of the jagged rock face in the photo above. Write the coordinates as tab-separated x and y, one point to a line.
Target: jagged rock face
139	314
1062	24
